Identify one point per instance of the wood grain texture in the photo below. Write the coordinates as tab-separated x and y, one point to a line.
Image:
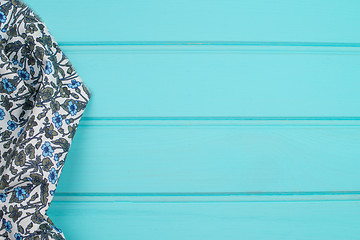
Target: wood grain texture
211	221
214	158
201	20
211	119
216	83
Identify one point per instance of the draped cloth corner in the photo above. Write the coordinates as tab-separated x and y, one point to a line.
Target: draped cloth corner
42	101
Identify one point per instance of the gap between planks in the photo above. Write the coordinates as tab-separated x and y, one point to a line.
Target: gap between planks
211	47
208	197
222	121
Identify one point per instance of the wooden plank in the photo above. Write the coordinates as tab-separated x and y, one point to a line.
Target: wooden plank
195	157
216	83
316	220
201	20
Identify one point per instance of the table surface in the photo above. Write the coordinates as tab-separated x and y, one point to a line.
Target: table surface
215	119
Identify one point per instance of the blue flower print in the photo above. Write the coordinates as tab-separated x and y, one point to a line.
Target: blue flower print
53	175
72	108
20	193
23	74
18	236
21	130
47	149
41	103
8	225
12	125
2	114
3	197
57	120
74	84
48	69
2	17
7	85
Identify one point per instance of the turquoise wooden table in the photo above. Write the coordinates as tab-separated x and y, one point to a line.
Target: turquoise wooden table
216	119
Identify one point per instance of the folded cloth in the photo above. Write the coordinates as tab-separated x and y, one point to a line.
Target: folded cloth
42	102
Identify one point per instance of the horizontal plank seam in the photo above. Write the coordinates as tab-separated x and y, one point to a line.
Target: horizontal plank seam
210	48
222	118
219	121
207	197
227	43
207	193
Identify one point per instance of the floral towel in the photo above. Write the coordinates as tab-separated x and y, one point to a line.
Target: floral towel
42	101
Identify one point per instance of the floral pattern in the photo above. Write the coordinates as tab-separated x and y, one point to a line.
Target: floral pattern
42	100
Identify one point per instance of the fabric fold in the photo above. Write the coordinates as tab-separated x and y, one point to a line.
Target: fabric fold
42	101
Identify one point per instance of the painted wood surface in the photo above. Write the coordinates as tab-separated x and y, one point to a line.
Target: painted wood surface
211	119
193	221
202	20
199	157
179	83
